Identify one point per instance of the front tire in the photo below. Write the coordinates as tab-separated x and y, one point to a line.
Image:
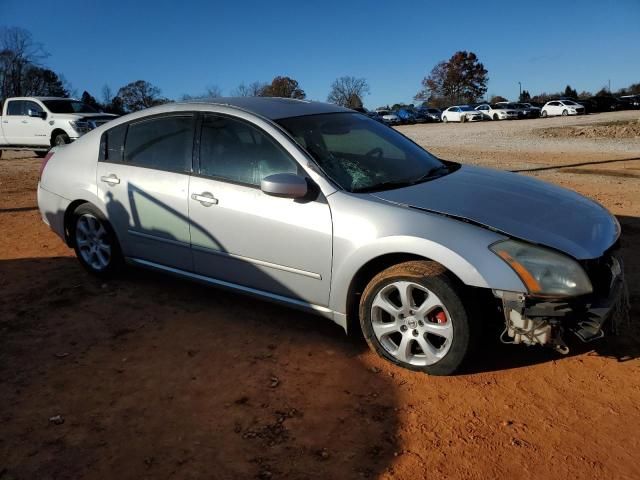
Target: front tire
444	120
412	314
60	139
544	114
564	113
95	242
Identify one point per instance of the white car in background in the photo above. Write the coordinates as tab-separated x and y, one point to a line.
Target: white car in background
562	107
388	118
461	113
497	112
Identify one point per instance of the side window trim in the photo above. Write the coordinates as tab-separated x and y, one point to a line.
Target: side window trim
197	147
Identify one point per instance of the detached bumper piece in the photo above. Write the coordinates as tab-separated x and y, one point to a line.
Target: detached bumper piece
538	322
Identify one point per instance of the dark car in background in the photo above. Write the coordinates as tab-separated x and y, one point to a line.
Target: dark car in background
406	116
432	114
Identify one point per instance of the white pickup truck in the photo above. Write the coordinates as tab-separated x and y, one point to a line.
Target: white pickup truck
39	123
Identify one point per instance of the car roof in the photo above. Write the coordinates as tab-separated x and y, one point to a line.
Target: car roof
273	108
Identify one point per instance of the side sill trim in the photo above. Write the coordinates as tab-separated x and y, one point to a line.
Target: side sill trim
234	286
261	263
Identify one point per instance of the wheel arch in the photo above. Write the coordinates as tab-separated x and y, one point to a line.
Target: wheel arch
55	132
68	217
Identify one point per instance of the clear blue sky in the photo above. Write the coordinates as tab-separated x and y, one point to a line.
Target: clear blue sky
184	46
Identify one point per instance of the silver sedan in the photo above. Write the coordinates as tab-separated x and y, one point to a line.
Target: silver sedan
323	209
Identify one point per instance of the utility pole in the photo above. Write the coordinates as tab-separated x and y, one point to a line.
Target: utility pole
520	94
609	85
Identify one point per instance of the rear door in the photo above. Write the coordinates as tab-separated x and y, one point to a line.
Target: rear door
143	180
14	123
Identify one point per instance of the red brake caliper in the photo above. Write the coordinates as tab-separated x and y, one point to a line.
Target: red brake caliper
441	317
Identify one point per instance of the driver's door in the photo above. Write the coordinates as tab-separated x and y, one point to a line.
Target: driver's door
243	236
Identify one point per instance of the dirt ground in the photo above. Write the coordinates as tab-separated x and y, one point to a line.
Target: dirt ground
154	377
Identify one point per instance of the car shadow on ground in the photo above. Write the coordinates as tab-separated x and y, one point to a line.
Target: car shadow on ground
154	376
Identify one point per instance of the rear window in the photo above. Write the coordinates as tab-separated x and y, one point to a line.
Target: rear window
112	144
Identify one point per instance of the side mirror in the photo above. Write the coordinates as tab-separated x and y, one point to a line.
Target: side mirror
287	185
37	114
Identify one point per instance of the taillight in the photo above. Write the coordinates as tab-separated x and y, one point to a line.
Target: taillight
46	158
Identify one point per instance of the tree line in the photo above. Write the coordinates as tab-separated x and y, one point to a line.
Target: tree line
461	79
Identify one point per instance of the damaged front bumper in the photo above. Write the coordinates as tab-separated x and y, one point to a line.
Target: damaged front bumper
538	321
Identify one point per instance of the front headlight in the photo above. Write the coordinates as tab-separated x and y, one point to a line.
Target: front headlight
545	272
80	126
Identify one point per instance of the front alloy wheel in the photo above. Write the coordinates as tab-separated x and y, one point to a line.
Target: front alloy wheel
412	315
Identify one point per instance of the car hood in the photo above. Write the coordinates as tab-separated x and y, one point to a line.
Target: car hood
518	206
87	116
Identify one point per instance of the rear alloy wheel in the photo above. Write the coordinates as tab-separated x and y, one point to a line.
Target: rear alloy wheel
564	113
95	242
412	315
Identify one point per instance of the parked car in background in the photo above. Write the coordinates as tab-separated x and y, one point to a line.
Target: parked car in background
406	116
524	110
497	111
374	116
388	117
432	114
38	123
562	107
319	208
461	113
633	100
420	116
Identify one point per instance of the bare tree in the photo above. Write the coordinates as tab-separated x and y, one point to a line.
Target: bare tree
213	91
254	89
18	51
348	91
107	94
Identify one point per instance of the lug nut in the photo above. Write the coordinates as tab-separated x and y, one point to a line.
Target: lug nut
415	333
401	315
421	323
403	328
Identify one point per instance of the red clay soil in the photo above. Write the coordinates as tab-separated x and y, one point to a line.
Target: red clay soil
147	376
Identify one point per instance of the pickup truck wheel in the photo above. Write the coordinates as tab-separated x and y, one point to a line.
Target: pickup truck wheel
95	242
412	314
40	153
61	139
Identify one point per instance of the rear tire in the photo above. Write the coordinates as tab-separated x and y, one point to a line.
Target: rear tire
426	328
95	242
40	153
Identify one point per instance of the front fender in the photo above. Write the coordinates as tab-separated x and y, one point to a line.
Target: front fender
380	228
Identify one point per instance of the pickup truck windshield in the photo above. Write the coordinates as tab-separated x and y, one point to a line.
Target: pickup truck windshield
360	154
68	106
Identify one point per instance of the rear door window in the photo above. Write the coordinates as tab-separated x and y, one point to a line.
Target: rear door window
161	143
16	107
112	144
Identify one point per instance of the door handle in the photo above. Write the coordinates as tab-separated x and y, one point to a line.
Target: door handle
111	179
25	121
206	199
